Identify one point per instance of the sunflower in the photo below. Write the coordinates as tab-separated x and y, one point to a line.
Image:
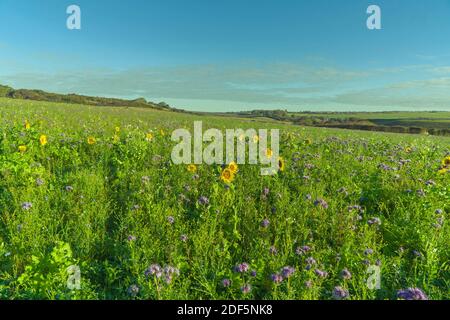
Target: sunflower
91	140
443	170
408	149
27	125
269	153
233	167
192	168
43	140
227	176
163	133
281	164
446	161
308	141
149	136
22	149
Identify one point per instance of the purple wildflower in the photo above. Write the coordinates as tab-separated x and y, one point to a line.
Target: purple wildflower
302	250
243	267
133	290
412	294
322	203
276	278
346	275
287	271
374	221
439	211
320	273
154	270
131	238
246	289
27	206
171	220
226	283
266	192
340	293
265	223
273	250
308	197
368	252
253	273
204	201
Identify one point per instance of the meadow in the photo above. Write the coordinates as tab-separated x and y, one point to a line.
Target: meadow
94	188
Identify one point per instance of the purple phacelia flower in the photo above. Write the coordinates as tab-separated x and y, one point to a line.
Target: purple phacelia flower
302	250
368	252
27	206
243	267
340	293
154	270
131	238
226	283
374	221
310	261
246	289
265	223
276	278
273	250
287	271
322	203
439	211
133	290
346	275
204	201
320	273
253	273
412	294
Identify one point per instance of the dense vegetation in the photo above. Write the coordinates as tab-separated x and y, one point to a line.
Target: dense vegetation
95	188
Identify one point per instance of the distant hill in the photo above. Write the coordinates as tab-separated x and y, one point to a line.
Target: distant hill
40	95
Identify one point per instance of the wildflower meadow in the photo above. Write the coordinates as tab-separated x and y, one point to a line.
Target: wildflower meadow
92	207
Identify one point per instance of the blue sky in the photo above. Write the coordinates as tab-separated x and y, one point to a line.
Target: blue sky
217	55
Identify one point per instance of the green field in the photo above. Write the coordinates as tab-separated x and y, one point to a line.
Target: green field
100	193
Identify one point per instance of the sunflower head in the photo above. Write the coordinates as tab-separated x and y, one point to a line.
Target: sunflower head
22	149
308	141
149	136
408	149
446	161
233	167
227	176
27	125
91	140
281	164
192	168
43	140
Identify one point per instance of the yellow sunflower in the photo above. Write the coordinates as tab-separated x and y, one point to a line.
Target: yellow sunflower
43	140
281	164
27	125
227	176
443	170
408	149
233	167
192	168
149	136
308	141
22	149
91	140
446	161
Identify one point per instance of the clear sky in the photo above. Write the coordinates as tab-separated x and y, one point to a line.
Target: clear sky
227	55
